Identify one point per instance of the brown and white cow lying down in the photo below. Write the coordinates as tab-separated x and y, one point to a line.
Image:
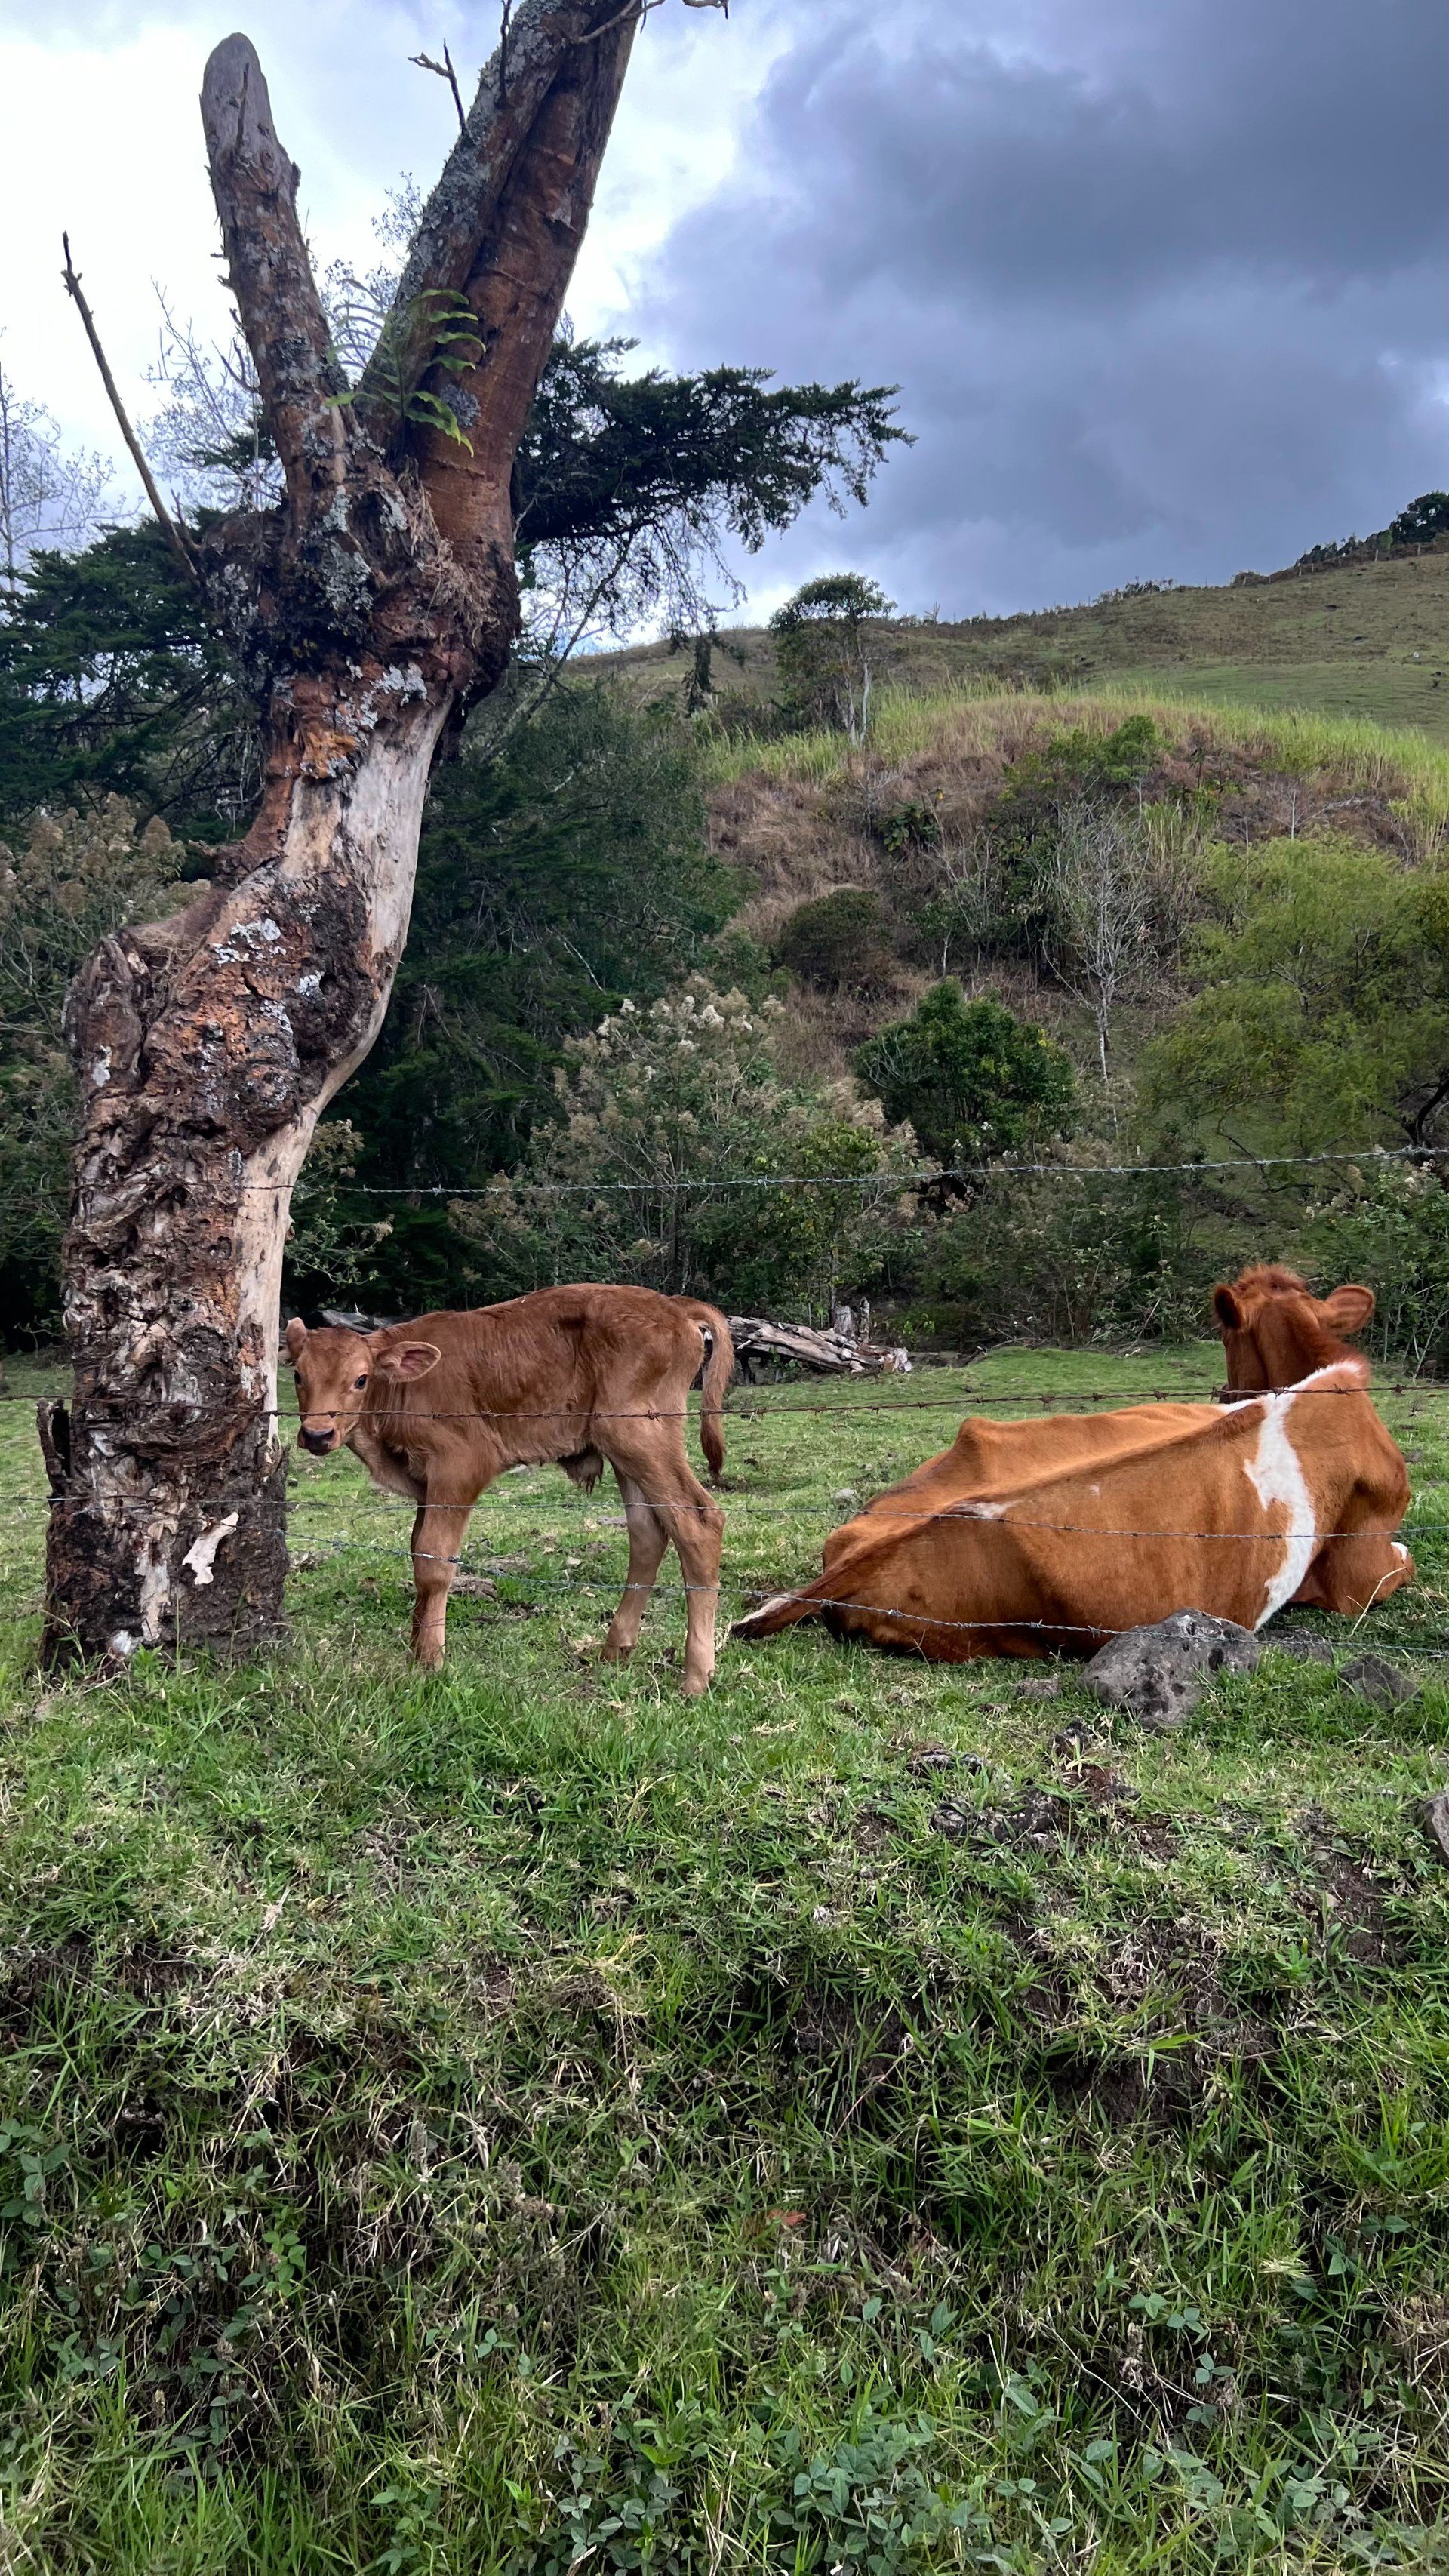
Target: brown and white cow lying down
437	1408
1051	1536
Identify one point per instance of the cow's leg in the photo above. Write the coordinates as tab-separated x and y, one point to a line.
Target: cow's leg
1353	1574
648	1539
438	1534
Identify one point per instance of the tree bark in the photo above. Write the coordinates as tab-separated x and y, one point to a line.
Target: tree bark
370	610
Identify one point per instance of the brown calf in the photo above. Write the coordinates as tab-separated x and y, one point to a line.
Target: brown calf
437	1408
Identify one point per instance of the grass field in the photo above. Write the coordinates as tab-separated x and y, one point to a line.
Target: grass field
1367	640
877	2118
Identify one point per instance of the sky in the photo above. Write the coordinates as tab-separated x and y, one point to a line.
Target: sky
1162	282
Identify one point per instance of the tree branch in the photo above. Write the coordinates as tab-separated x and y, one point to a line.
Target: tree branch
502	229
445	71
176	536
255	187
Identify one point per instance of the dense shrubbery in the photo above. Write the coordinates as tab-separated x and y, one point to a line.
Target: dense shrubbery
1324	1005
71	881
664	1163
973	1080
837	939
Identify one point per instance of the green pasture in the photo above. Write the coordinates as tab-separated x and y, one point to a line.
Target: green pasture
877	2118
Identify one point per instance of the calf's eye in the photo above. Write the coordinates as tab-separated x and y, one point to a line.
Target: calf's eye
359	1381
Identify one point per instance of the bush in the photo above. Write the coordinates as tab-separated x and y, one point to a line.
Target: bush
973	1080
837	939
73	881
673	1132
1390	1227
1077	1257
1325	1000
1080	763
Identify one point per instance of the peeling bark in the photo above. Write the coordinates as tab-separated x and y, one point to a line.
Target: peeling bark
369	610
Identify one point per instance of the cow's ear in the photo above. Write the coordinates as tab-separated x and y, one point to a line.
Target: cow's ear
1348	1309
295	1338
408	1359
1227	1310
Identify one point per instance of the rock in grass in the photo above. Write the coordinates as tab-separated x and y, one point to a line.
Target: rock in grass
1386	1685
1436	1822
1158	1674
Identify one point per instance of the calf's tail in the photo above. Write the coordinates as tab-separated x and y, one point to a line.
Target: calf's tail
718	1370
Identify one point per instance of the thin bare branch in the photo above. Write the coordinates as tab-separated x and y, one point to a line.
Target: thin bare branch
176	536
445	71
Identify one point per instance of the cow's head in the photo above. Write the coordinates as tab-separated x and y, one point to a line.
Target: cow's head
1276	1332
335	1369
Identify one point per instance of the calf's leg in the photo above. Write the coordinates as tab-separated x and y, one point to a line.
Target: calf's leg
694	1522
438	1534
648	1539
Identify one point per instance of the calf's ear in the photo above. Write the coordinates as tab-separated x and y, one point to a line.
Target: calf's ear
1348	1309
295	1338
1227	1310
408	1359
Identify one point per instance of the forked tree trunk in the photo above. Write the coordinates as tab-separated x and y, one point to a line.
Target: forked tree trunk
370	609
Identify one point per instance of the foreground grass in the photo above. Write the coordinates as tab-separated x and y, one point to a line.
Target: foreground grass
878	2118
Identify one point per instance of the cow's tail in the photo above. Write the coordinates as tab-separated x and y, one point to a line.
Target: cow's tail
719	1368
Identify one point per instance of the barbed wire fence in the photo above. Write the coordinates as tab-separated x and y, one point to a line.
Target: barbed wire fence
740	1509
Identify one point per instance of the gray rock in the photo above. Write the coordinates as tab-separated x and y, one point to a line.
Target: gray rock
1386	1685
1158	1674
1436	1822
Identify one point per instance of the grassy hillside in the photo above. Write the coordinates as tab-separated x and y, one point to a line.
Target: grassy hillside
880	2118
802	815
1369	640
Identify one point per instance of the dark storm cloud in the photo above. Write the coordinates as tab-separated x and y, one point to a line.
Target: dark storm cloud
1162	284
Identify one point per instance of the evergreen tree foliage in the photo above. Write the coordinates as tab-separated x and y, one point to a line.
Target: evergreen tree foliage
974	1080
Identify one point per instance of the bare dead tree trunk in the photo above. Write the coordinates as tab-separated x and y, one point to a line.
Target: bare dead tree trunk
370	610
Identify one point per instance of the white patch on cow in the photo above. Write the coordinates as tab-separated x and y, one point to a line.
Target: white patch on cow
1276	1476
979	1511
200	1557
1398	1550
778	1601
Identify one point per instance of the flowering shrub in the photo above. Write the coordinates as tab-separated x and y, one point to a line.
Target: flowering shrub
680	1157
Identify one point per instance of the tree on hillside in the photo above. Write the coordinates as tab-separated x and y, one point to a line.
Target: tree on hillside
974	1081
626	487
1324	1001
821	650
367	611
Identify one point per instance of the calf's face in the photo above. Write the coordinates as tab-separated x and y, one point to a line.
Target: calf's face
333	1371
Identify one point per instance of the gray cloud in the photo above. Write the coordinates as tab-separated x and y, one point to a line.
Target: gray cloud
1163	287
